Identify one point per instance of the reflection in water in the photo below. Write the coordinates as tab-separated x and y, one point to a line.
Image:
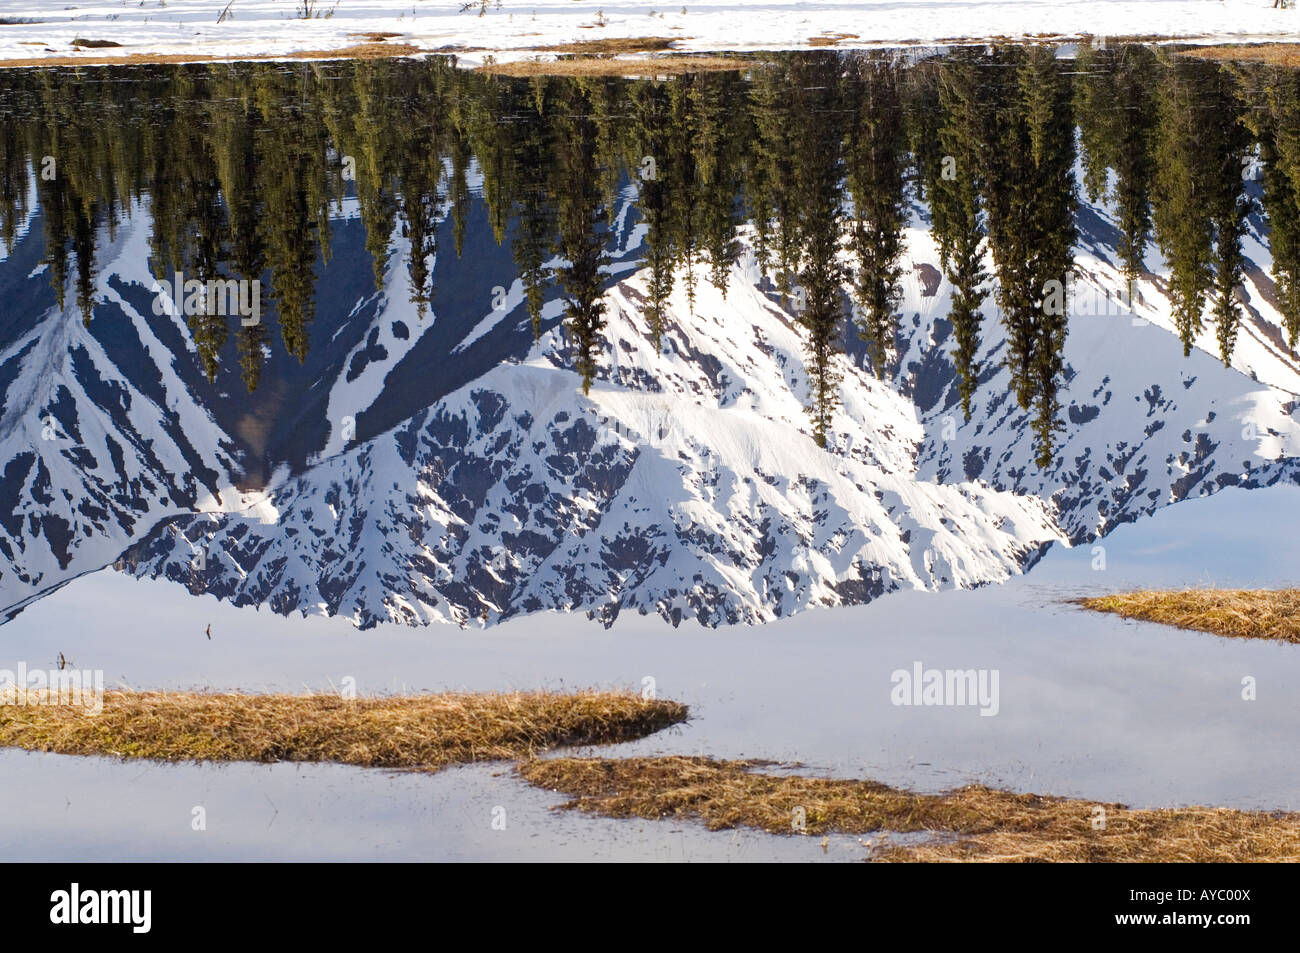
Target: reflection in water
700	245
242	164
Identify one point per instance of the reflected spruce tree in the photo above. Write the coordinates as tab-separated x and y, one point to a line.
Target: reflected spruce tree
774	151
1272	115
583	215
1046	94
958	219
876	163
1228	142
1183	192
818	182
14	178
652	161
533	201
683	185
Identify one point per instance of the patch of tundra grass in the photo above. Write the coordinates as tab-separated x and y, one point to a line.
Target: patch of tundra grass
358	51
668	65
425	732
973	823
1274	54
1237	613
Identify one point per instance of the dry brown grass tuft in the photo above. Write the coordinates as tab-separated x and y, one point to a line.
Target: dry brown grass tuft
414	731
359	51
1275	54
611	66
1238	613
971	823
831	39
624	44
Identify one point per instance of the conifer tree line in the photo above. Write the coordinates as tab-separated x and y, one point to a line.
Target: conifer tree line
824	157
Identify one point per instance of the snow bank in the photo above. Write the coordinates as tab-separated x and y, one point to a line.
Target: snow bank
31	29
